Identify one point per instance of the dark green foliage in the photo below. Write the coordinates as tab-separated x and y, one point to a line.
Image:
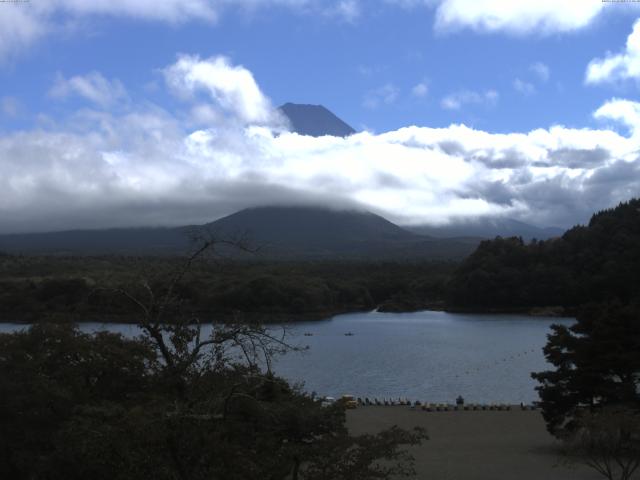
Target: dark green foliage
78	406
597	363
46	374
171	404
598	262
82	288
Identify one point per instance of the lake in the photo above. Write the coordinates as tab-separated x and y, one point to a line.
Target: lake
427	356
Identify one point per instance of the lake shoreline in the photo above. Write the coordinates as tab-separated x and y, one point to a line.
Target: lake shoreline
268	318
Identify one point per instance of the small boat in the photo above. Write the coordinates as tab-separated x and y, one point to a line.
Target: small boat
349	334
308	334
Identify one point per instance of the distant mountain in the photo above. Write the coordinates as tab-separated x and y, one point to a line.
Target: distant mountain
279	232
321	233
311	227
488	228
315	120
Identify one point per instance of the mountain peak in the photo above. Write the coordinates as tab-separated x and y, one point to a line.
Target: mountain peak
315	120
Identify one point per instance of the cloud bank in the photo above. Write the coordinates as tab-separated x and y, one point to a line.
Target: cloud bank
139	164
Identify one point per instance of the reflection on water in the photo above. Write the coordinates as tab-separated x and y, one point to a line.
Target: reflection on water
433	356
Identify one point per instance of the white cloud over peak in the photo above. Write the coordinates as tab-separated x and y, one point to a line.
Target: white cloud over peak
517	17
231	88
456	100
621	66
92	86
142	165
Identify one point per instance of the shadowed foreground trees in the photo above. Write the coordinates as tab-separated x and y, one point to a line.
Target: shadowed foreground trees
597	363
608	441
172	404
591	400
77	406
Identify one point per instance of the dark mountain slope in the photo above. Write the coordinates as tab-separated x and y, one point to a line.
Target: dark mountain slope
314	232
303	227
315	120
279	232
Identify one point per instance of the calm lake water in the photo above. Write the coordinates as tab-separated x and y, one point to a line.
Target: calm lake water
432	356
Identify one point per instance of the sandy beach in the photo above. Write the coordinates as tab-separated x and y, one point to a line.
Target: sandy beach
476	445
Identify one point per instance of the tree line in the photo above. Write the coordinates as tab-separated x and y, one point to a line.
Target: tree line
83	288
173	404
592	263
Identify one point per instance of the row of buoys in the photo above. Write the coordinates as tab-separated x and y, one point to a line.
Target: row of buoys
442	407
481	367
385	401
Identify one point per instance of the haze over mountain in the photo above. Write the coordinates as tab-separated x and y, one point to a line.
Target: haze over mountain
315	121
488	228
279	232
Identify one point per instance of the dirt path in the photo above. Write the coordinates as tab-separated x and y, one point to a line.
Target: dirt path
476	445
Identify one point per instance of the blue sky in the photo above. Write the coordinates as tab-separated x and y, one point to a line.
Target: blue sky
484	75
342	62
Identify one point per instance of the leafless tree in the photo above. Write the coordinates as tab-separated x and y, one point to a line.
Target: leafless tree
176	330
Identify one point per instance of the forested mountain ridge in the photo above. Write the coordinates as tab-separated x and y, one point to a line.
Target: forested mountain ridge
292	232
596	262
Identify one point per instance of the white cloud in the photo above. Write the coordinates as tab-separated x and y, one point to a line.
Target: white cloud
456	100
420	90
517	17
146	166
92	86
22	24
232	89
542	71
622	66
19	29
525	88
623	111
173	11
385	95
142	168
